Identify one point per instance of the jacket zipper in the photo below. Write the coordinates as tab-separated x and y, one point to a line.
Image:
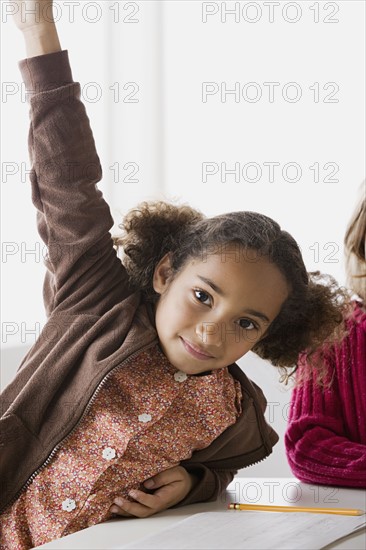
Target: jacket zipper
242	467
86	410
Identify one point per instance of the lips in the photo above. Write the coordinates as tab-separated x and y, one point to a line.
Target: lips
195	351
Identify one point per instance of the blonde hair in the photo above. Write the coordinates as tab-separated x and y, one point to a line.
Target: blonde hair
354	246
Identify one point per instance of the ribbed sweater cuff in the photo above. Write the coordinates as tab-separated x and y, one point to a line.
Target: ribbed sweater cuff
45	72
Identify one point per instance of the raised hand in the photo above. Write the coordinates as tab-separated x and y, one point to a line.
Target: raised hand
172	486
35	19
28	14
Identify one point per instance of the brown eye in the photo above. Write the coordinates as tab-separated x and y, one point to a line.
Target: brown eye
247	324
201	295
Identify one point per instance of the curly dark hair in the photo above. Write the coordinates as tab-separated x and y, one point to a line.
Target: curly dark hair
310	316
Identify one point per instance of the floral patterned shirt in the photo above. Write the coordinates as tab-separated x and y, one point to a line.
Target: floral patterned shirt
146	417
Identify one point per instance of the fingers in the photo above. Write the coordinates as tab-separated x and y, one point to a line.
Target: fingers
145	505
168	487
114	509
177	473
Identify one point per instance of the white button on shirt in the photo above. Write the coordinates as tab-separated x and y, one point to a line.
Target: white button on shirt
144	417
69	505
180	376
109	453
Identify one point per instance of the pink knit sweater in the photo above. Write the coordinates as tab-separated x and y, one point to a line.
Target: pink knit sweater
326	436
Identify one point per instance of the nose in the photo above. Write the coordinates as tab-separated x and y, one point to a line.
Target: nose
209	333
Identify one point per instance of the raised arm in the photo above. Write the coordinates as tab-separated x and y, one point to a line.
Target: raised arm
35	20
73	219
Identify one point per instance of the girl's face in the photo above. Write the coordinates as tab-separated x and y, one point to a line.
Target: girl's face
214	311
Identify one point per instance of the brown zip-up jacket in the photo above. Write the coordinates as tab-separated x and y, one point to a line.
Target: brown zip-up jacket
95	322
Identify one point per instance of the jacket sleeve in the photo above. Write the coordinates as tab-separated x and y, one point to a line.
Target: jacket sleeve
211	485
317	447
73	219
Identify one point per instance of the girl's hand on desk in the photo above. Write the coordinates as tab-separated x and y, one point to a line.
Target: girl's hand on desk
171	486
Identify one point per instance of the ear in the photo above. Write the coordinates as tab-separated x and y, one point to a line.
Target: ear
162	274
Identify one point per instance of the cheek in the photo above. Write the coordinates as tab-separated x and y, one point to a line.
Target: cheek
247	341
180	314
173	310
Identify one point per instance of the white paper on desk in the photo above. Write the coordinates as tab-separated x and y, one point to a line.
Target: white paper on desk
251	530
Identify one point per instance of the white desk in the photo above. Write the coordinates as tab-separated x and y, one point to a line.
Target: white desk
280	491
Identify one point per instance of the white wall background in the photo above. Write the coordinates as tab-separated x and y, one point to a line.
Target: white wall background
143	68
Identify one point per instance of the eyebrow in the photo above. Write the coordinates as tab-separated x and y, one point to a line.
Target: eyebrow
219	291
212	285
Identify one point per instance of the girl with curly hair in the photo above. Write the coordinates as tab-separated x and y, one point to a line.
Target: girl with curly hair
130	401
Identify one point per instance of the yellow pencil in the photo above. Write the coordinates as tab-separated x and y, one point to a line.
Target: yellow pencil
265	508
